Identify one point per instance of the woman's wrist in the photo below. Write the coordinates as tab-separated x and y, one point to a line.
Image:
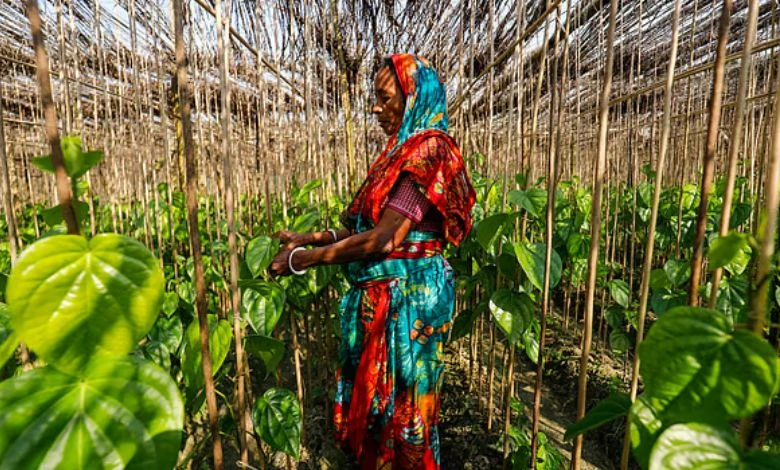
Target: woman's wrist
306	259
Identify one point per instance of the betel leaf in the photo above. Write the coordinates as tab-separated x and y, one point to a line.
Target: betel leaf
615	406
120	413
306	222
259	254
703	371
646	426
8	340
731	252
168	331
693	446
270	350
220	336
76	161
663	299
621	292
619	341
170	303
532	259
262	305
677	271
533	200
53	215
489	230
277	419
513	312
302	197
72	299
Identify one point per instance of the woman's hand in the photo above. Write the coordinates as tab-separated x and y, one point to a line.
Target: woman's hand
279	266
292	240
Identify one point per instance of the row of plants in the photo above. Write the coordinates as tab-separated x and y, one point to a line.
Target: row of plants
106	307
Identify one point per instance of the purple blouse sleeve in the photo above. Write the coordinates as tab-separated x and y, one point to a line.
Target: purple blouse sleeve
407	199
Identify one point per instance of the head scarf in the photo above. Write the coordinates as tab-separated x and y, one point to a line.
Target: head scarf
441	174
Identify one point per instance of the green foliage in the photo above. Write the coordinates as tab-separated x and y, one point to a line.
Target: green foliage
694	446
615	406
259	254
105	417
220	337
74	299
532	258
277	418
513	312
263	304
268	349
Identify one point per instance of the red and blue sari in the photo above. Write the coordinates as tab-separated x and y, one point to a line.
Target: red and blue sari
398	312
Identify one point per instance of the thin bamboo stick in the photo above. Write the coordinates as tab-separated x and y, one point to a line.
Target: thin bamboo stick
709	157
192	218
644	289
598	181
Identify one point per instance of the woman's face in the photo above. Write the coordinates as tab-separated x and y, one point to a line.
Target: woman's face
389	104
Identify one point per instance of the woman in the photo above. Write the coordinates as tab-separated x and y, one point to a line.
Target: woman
398	312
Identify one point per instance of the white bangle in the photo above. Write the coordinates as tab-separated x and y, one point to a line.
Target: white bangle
289	261
335	235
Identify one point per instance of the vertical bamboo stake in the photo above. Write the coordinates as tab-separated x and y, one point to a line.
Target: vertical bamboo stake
764	273
736	134
64	195
553	156
7	193
716	99
346	101
595	228
223	48
648	261
192	218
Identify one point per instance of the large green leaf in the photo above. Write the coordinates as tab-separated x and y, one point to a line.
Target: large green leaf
532	259
277	418
620	291
306	222
220	336
71	299
731	252
270	350
703	371
678	271
619	341
121	413
615	406
533	200
259	254
263	304
695	446
168	331
490	229
513	312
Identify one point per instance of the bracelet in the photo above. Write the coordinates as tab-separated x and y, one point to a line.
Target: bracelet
335	235
289	261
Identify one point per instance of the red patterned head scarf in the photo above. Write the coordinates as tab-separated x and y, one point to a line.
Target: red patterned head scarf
441	175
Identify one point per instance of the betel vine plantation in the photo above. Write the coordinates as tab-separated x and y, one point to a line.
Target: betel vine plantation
257	234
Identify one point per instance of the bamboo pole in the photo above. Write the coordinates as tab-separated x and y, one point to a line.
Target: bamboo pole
709	156
184	94
736	135
644	289
764	272
64	195
598	181
223	47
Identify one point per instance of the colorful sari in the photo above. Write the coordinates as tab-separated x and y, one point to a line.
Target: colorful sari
398	312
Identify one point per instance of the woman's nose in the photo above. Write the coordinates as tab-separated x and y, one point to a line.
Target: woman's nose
376	109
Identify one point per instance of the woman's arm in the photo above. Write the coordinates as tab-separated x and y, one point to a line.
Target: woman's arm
291	240
375	243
